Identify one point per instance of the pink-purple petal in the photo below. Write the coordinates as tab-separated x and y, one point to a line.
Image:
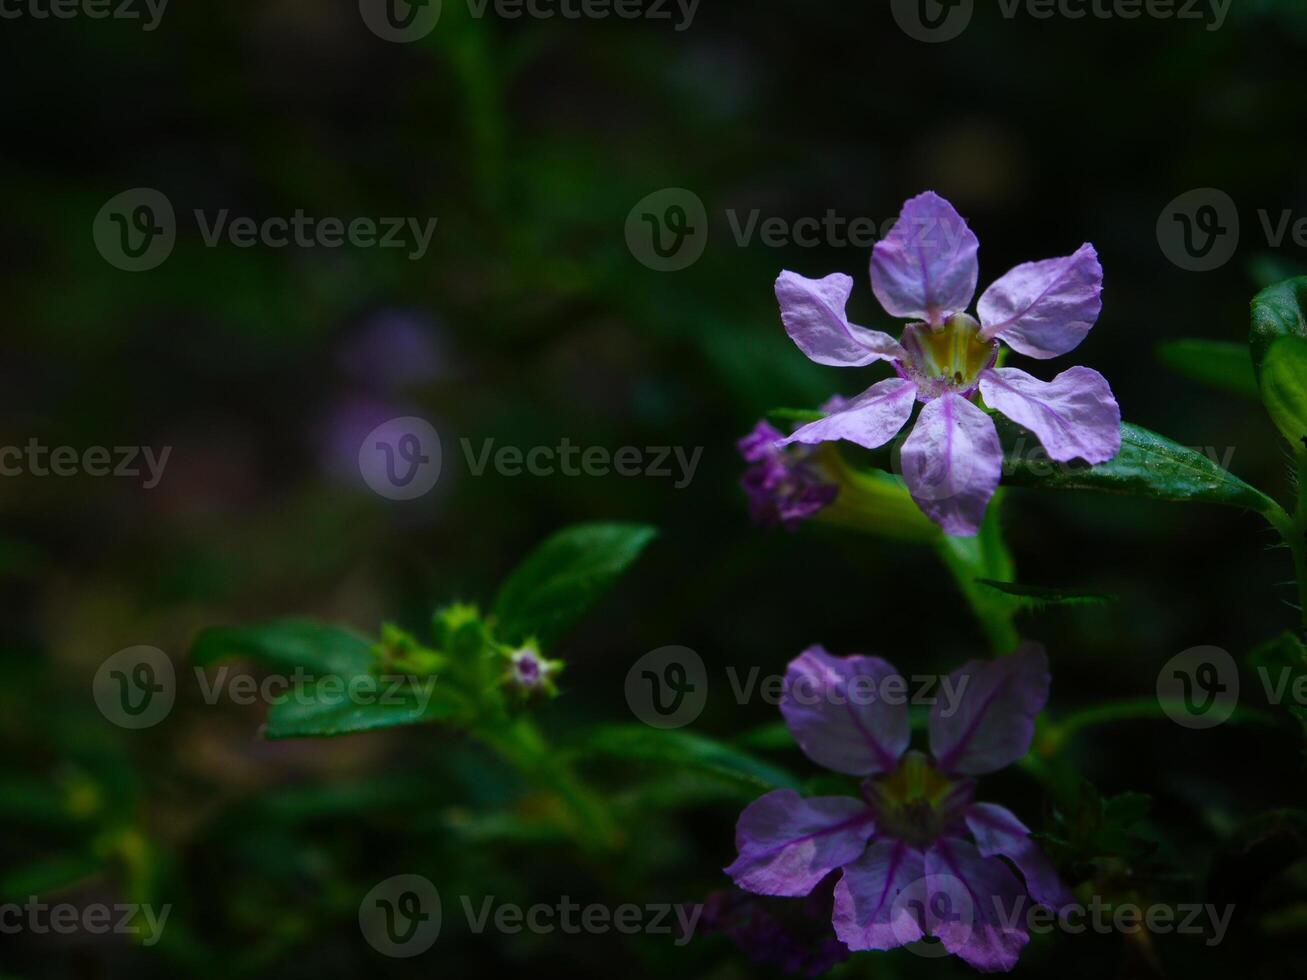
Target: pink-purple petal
952	463
836	711
926	267
879	899
975	906
813	311
870	420
788	844
999	833
1043	309
1075	415
990	725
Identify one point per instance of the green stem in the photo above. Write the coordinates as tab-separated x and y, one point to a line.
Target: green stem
522	745
985	556
1054	735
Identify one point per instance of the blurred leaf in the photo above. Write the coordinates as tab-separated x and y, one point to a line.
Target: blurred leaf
1216	363
1284	388
1280	664
683	751
1089	828
48	875
1149	465
325	707
800	415
286	644
564	577
1277	312
1036	596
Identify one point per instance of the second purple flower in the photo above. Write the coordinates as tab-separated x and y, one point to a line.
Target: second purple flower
926	271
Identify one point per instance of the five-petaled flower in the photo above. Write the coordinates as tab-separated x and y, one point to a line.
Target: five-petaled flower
918	855
926	271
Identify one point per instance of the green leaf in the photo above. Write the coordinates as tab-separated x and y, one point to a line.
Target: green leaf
1036	596
1277	311
1280	663
286	644
1216	363
564	577
800	415
1284	388
1148	465
683	751
325	706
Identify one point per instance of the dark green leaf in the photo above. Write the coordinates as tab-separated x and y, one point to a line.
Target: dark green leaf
326	707
1280	664
1148	465
563	577
285	645
1284	388
683	751
1035	596
1277	311
1215	363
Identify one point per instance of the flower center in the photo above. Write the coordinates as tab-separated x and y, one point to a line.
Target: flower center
949	357
916	802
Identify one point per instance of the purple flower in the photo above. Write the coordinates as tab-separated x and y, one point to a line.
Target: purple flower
784	486
926	271
796	940
918	855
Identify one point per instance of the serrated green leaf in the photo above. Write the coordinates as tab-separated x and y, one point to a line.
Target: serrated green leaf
1036	596
1216	363
683	751
1284	388
1277	312
564	577
1149	465
286	644
325	707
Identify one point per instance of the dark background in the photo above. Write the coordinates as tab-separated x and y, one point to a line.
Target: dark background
531	141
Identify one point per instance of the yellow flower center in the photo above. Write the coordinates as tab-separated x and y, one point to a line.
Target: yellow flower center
949	357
